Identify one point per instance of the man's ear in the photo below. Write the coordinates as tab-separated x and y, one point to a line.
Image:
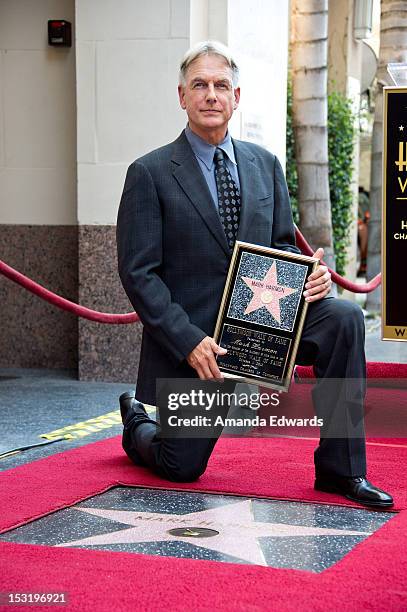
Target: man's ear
237	97
181	96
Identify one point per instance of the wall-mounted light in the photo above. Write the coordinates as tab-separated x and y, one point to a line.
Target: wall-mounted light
362	19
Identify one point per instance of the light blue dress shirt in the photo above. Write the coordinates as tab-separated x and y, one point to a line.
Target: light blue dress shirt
204	153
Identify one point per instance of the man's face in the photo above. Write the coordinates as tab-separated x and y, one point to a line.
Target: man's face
209	97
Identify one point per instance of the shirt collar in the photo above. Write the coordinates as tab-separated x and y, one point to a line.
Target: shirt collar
206	151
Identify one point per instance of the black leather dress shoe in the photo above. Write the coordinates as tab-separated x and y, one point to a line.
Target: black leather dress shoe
129	407
132	412
357	489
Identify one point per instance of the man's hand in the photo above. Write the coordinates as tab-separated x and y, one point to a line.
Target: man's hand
319	282
202	359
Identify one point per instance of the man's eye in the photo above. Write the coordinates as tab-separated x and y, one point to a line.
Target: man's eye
199	85
222	86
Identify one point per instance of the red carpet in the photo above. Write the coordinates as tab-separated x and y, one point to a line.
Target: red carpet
375	370
371	577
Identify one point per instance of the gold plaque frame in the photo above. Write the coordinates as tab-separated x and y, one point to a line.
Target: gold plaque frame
257	336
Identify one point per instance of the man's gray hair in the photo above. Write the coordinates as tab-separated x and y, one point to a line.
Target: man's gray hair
208	47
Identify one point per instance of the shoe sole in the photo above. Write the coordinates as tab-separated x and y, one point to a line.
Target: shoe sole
330	489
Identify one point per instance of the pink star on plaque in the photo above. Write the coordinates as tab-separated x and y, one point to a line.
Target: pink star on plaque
267	293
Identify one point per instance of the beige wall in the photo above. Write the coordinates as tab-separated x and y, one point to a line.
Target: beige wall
257	32
122	101
127	65
37	116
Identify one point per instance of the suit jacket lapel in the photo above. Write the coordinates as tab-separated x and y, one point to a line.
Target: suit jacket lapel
187	172
251	186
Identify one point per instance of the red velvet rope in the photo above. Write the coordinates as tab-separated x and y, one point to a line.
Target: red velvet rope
60	302
339	280
132	317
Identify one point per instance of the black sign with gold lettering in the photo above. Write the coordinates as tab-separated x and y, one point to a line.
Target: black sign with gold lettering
394	223
262	314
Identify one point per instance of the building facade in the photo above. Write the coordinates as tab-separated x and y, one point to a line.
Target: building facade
72	120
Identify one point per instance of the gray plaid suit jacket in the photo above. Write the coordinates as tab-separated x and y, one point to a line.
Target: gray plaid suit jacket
172	252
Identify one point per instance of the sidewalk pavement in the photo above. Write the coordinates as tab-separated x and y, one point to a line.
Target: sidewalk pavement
388	351
383	350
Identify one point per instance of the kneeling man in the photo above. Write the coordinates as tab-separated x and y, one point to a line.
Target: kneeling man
183	207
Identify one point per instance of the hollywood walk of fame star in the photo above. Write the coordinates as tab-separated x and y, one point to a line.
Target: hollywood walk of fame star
267	293
238	531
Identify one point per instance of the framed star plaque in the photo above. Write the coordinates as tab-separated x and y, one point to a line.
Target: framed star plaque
262	314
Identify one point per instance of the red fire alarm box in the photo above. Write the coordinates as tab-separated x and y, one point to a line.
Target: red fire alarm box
59	33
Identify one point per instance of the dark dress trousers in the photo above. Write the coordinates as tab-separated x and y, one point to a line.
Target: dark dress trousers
173	259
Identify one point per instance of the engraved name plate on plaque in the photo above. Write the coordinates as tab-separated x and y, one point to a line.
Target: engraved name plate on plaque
262	314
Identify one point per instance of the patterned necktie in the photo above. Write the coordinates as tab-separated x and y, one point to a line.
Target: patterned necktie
228	198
